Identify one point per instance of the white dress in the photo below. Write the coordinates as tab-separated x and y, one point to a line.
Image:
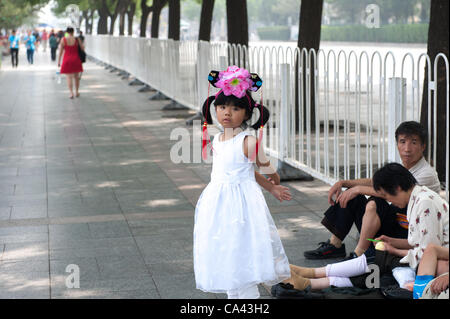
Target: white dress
236	242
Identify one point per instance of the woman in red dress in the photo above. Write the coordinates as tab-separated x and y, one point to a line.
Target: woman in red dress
71	64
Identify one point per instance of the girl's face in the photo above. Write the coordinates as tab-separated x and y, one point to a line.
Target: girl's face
230	116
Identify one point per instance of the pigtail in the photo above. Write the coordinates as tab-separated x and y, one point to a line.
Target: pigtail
206	112
264	115
263	118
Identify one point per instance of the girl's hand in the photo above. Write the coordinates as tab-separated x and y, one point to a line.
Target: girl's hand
389	248
439	284
281	192
385	239
272	181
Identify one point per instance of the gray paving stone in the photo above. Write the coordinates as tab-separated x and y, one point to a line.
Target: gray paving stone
23	212
121	266
5	213
30	250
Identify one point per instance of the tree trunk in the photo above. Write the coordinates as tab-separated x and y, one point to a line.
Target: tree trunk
154	31
130	13
117	10
122	12
91	18
204	34
309	38
103	12
158	5
237	22
438	34
80	21
237	28
86	19
144	17
174	20
122	23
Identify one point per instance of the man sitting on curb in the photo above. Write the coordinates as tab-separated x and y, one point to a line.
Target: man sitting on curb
428	217
374	216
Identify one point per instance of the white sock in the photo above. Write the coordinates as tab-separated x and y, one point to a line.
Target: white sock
251	292
348	268
232	294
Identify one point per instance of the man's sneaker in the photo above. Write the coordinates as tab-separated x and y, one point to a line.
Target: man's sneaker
325	251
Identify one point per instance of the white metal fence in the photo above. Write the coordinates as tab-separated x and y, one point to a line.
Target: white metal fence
359	99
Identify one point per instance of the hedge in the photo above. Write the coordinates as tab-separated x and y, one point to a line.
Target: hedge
281	33
402	33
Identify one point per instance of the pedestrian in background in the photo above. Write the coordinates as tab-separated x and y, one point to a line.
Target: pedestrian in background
14	41
53	42
71	64
44	40
30	43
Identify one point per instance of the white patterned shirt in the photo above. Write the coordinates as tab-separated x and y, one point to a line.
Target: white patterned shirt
428	223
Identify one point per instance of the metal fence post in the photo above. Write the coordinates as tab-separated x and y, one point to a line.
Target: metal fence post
284	105
223	60
396	114
286	171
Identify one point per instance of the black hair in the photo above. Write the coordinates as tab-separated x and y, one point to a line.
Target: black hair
391	176
69	30
242	103
410	128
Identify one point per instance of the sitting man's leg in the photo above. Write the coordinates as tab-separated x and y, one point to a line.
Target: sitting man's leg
370	226
338	221
379	218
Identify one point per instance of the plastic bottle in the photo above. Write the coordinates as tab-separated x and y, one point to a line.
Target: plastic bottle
58	77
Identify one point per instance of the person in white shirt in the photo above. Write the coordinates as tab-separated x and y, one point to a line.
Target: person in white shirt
374	216
428	217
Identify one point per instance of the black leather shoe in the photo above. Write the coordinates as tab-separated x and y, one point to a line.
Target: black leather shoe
325	251
395	292
287	291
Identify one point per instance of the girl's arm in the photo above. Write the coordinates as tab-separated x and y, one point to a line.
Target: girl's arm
61	51
396	251
278	191
272	184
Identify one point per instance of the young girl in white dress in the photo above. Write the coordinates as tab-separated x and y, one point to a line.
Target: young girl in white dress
236	243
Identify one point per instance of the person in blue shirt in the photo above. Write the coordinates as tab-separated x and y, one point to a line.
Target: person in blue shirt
14	40
30	43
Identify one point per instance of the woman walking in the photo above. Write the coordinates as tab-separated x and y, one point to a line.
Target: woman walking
71	64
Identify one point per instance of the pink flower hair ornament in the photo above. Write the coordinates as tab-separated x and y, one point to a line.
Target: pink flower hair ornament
235	81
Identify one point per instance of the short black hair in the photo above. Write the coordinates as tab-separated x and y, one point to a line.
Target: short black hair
69	30
410	128
391	176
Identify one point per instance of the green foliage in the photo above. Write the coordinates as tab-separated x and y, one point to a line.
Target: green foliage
13	13
278	32
400	33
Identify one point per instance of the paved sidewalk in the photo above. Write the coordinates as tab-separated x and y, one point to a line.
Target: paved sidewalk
89	182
